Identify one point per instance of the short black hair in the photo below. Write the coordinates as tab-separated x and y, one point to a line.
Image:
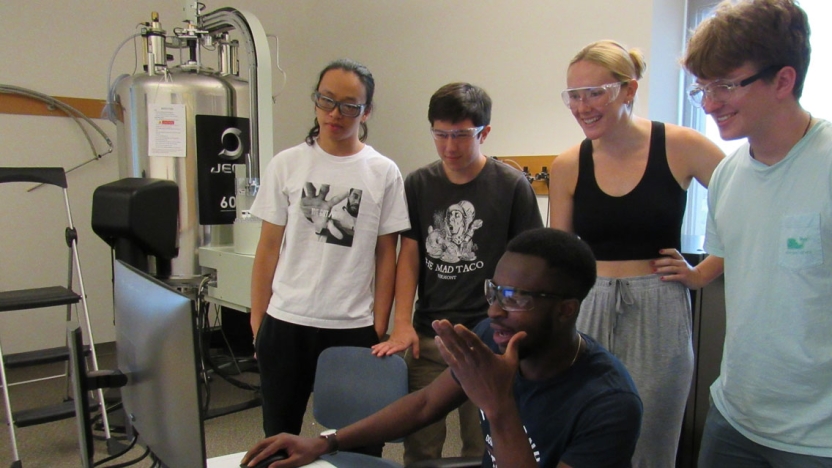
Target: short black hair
566	253
456	102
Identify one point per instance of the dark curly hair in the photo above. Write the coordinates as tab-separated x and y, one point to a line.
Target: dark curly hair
566	253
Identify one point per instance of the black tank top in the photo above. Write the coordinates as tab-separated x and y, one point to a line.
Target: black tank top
636	225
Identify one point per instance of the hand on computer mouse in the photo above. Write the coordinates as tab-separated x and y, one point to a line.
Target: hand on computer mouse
297	451
264	463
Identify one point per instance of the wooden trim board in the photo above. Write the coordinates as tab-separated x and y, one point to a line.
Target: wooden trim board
24	105
535	165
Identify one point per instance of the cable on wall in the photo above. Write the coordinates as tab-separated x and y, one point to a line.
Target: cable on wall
70	111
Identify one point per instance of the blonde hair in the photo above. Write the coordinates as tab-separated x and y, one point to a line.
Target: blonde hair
624	64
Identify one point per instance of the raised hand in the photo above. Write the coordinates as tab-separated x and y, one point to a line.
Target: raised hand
486	378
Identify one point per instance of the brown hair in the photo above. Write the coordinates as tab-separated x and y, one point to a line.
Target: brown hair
766	33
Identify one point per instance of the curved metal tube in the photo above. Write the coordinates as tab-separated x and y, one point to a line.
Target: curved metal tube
225	19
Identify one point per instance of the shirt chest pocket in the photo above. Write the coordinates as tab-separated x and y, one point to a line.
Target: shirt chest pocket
799	244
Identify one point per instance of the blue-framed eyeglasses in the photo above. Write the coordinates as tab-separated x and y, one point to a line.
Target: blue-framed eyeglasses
721	90
459	134
513	299
347	109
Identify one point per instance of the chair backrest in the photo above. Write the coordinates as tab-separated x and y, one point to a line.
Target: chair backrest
351	384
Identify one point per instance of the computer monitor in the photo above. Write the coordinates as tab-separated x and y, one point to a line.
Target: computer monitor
156	348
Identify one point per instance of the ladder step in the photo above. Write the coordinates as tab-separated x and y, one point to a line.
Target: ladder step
39	357
45	414
36	298
34	358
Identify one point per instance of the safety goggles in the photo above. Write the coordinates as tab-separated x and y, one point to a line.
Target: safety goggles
721	90
593	96
460	134
513	299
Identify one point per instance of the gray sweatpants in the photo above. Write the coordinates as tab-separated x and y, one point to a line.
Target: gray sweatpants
646	323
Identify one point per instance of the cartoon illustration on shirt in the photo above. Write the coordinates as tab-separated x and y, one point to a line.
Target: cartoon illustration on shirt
450	238
333	221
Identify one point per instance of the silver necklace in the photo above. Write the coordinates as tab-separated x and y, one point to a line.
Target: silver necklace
805	131
577	351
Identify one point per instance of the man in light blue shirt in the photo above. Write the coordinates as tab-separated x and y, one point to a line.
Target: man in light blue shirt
770	221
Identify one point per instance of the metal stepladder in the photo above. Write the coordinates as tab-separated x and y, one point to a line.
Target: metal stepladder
34	298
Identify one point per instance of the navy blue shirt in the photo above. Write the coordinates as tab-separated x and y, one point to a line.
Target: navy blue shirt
587	416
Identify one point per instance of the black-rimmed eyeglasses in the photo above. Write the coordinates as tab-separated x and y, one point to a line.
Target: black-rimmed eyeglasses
721	90
347	109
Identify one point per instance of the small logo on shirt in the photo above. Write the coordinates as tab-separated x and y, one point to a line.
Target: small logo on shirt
796	243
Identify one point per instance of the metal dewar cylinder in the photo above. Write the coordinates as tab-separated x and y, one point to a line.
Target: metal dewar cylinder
202	92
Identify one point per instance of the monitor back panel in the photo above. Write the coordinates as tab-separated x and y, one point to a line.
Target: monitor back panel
156	346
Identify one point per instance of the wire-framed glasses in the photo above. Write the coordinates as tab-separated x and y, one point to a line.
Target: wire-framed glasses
721	90
459	134
347	109
513	299
595	96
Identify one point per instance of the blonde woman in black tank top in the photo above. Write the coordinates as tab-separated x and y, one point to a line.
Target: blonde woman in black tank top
623	191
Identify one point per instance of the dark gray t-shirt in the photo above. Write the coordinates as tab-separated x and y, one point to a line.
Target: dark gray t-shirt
462	231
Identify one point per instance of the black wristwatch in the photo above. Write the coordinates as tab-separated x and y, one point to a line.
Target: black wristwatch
330	436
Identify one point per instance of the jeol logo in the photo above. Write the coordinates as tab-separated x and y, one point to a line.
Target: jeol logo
223	168
231	143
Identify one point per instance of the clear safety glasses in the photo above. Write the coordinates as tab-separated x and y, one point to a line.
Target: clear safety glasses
720	91
460	134
347	109
513	299
594	96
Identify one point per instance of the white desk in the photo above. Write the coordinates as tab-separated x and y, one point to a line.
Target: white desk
233	288
233	461
339	460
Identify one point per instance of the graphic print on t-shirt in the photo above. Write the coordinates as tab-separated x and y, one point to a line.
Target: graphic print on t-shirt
332	216
489	442
450	238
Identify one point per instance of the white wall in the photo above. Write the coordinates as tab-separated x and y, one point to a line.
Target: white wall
516	50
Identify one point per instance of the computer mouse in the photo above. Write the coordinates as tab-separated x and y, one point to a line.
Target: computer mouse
279	455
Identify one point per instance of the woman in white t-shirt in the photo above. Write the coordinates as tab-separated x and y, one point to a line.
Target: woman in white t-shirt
317	280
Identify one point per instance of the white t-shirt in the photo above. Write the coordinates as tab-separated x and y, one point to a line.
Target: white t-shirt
333	208
773	227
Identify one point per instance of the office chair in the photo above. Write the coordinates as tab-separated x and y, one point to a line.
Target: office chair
351	384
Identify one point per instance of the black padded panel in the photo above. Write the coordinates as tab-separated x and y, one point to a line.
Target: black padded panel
40	175
143	212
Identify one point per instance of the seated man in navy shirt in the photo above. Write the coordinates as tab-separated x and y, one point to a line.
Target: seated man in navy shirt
548	395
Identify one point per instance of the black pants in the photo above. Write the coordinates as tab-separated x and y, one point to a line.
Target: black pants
287	355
